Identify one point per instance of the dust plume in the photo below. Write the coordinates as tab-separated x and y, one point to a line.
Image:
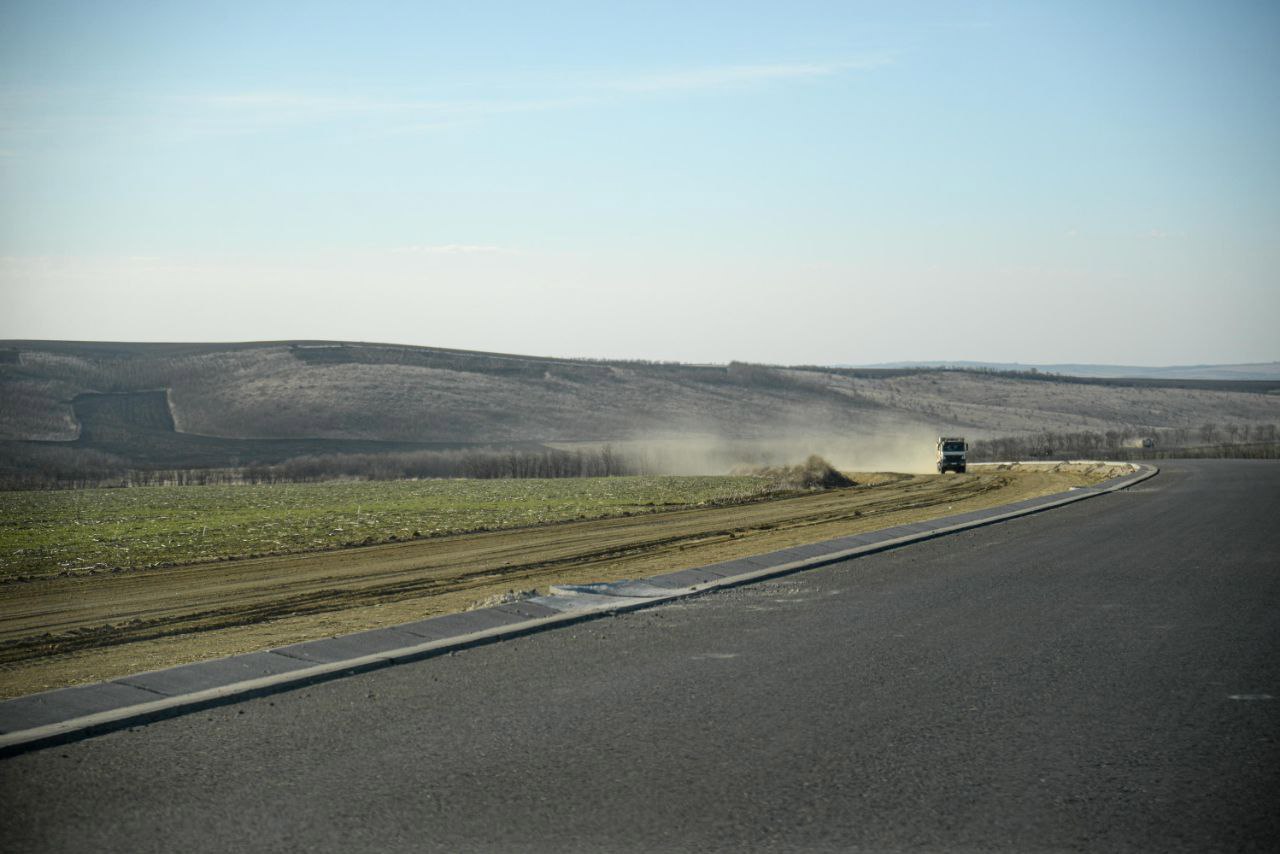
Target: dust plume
909	450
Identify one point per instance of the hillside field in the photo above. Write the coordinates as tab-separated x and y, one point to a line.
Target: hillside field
74	407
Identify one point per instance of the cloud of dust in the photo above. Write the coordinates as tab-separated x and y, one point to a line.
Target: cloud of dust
908	449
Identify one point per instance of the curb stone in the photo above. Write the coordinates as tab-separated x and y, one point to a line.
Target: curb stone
66	714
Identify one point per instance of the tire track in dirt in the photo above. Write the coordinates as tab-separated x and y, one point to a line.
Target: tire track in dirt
212	601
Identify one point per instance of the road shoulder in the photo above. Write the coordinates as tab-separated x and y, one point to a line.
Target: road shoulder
55	716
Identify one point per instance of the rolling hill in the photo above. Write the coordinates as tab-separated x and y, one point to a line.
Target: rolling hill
209	405
1265	371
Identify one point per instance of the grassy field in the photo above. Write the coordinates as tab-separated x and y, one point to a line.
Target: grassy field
102	530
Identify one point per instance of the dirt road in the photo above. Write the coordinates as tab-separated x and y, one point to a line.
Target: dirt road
63	631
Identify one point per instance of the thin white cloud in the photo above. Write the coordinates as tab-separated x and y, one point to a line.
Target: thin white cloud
961	25
730	75
453	249
320	106
37	114
274	108
251	112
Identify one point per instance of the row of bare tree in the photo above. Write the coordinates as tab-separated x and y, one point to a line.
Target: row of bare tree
488	464
1207	440
81	468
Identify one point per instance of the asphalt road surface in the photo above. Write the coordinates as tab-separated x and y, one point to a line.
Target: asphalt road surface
1101	677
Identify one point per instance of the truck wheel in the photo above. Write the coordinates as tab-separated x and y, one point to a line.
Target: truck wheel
960	470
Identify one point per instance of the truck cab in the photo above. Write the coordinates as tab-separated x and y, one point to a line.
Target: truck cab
951	454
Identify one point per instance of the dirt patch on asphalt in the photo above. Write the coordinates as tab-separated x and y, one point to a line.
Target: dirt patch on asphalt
64	631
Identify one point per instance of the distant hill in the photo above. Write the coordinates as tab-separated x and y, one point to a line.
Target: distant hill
1268	371
233	404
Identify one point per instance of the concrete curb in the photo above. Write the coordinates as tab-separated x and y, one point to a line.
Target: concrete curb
52	717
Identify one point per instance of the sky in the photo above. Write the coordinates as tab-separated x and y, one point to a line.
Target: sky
789	182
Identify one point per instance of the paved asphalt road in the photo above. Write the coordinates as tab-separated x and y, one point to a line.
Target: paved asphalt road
1099	677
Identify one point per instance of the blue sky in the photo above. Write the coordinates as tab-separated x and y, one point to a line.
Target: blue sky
782	182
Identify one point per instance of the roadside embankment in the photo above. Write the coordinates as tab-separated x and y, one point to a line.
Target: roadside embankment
66	631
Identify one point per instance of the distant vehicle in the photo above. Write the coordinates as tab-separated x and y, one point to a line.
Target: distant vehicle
951	454
1148	442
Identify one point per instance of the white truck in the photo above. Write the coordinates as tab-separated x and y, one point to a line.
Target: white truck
951	454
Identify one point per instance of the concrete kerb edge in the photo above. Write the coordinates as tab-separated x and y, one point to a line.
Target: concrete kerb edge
164	707
100	723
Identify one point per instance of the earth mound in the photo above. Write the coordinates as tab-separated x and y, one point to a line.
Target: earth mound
813	473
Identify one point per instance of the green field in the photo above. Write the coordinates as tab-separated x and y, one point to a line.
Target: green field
102	530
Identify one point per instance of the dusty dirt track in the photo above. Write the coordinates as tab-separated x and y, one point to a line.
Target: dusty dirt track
65	631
